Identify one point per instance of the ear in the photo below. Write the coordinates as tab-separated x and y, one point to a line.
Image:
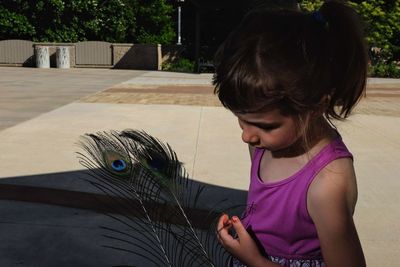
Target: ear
321	107
325	100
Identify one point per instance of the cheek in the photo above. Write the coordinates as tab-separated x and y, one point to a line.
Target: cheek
290	136
290	133
286	136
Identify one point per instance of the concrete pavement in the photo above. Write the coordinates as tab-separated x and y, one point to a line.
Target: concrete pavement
29	92
43	112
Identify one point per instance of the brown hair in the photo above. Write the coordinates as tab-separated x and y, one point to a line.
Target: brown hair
296	61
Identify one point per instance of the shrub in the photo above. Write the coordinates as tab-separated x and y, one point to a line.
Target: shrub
382	69
181	65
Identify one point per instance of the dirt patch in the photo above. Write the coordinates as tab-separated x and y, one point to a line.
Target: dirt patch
379	101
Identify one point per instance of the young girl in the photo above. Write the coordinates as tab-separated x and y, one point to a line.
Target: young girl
285	74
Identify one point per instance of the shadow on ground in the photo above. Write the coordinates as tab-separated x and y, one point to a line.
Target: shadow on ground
57	219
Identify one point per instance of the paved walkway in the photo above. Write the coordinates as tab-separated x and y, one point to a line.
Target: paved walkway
43	112
29	92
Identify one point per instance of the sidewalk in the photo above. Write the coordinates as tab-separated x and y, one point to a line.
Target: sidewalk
43	112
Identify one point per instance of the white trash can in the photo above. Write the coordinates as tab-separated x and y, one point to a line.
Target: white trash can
62	57
42	56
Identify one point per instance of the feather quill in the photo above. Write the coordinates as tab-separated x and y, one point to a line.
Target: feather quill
153	197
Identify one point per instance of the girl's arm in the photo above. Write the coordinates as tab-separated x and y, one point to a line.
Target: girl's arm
331	200
243	247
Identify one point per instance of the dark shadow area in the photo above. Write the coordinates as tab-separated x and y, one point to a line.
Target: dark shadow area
205	66
53	59
30	62
57	219
207	23
139	57
171	53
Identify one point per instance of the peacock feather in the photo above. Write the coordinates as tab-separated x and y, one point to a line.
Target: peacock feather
153	198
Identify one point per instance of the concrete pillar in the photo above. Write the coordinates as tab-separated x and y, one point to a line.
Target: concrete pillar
62	57
42	56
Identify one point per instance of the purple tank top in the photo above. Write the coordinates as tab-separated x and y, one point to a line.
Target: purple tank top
278	214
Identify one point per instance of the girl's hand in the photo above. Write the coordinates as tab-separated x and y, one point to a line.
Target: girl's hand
243	247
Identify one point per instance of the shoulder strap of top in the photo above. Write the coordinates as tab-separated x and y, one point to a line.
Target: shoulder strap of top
255	162
257	154
334	150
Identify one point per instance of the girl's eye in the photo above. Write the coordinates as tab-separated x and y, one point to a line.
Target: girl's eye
262	126
268	127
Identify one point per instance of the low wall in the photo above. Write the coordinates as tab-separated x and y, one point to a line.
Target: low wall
137	56
171	53
124	56
16	52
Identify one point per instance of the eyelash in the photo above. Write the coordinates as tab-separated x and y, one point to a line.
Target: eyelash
267	128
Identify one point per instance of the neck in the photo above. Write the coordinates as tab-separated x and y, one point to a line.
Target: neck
320	131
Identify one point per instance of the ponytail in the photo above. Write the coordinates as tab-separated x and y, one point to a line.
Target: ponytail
348	56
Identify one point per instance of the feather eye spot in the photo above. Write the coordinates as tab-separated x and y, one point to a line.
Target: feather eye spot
118	165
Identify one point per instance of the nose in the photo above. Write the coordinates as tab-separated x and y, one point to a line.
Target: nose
250	136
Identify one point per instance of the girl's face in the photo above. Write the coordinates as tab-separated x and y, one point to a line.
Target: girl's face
269	130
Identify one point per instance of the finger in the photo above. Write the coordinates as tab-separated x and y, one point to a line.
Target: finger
223	232
220	225
223	223
223	219
226	239
239	228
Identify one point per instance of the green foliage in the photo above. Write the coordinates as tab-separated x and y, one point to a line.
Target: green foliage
382	28
154	22
14	25
181	65
310	5
382	31
121	21
380	69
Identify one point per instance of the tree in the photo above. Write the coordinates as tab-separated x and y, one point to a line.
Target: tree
79	20
154	20
382	28
14	24
382	31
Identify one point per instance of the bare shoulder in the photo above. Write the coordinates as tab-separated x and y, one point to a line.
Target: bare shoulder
331	200
335	182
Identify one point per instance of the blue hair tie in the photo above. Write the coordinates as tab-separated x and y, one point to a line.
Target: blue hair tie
317	16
